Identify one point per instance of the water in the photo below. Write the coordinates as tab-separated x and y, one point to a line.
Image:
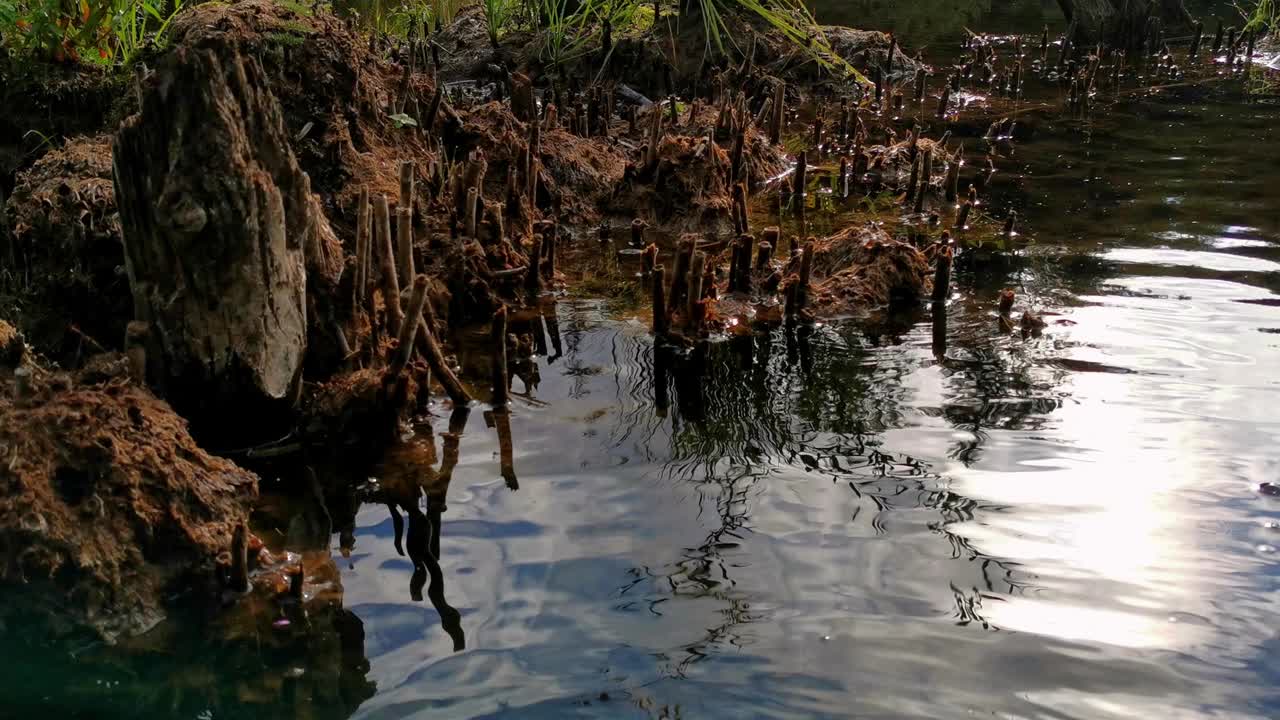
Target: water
932	26
1061	526
844	523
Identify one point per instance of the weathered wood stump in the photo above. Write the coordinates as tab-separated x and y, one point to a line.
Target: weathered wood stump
221	231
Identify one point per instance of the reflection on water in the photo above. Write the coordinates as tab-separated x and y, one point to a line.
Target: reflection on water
935	26
410	484
812	518
921	24
884	520
826	521
871	520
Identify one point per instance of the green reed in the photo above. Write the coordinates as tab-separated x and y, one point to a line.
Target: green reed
105	32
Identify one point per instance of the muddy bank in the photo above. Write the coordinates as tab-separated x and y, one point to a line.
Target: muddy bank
272	654
287	261
67	286
111	510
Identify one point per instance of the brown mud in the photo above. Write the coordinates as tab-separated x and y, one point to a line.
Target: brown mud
68	288
110	506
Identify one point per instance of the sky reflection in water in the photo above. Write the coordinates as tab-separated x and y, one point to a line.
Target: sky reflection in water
840	522
1086	542
1067	525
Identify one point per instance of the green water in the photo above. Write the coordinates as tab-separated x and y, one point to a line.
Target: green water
844	521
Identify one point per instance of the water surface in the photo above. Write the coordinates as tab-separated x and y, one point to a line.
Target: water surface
845	521
841	523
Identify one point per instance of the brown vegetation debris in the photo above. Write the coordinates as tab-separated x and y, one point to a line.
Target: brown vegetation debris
864	268
68	264
109	506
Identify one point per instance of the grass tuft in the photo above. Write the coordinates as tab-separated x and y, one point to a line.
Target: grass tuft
107	32
1264	18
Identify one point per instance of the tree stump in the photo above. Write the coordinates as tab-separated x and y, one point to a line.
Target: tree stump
220	230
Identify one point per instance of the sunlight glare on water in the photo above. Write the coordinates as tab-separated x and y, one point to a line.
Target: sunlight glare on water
850	520
842	522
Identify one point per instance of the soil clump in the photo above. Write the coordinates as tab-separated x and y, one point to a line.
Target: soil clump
110	507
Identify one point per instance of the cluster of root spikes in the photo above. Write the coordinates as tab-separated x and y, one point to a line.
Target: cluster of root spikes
392	314
717	286
690	301
1135	61
720	284
707	157
751	283
681	163
393	320
920	174
501	251
860	150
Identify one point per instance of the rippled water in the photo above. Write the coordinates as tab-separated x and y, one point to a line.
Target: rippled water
844	523
839	524
1067	525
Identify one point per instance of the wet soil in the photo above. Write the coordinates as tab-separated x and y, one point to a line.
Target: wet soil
110	508
68	288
